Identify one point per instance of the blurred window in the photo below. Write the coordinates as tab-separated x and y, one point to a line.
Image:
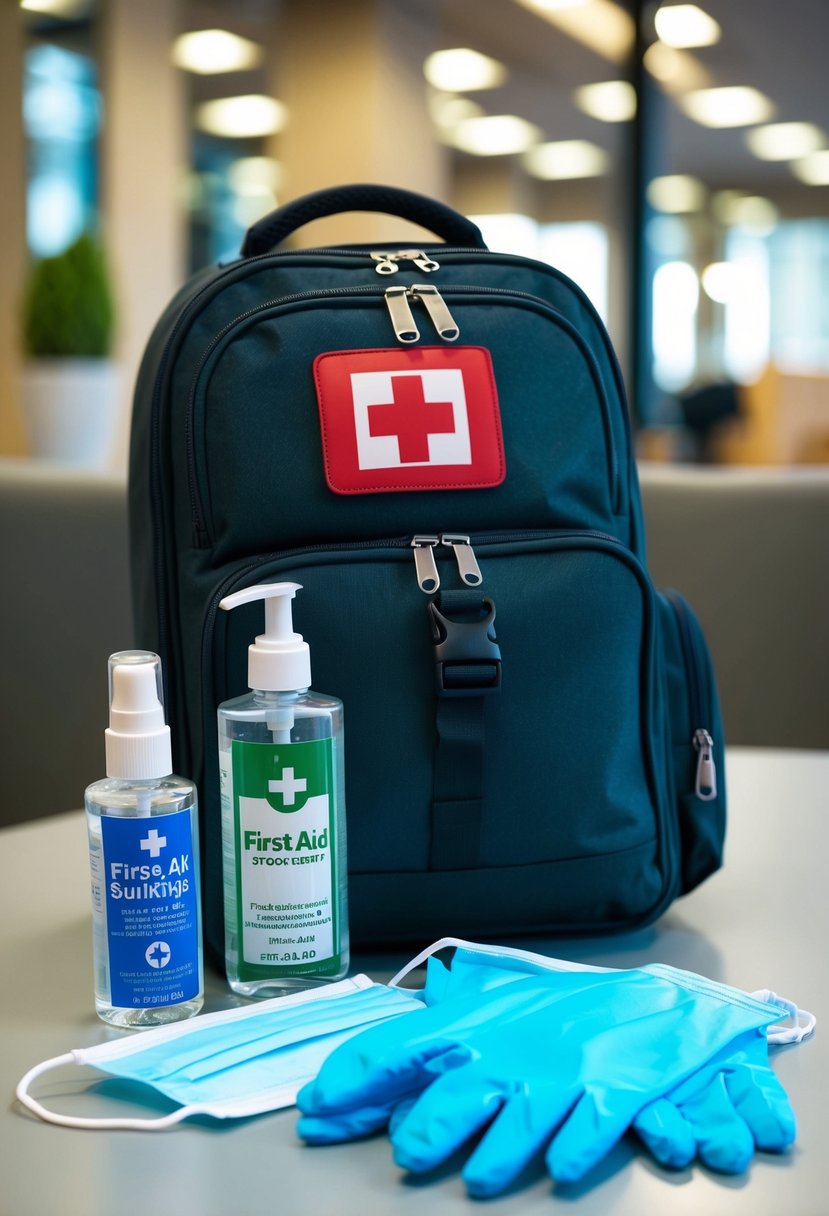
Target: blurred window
579	250
798	258
62	115
746	297
675	304
231	186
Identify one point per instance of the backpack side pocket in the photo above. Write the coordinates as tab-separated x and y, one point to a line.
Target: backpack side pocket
697	740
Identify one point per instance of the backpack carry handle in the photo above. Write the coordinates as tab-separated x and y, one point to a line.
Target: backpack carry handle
449	225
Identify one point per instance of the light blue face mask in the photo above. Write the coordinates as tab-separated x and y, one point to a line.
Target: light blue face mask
234	1063
249	1060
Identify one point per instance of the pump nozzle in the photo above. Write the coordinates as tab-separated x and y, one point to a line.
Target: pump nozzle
138	740
279	660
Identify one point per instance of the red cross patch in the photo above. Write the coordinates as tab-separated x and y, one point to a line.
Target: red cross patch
420	419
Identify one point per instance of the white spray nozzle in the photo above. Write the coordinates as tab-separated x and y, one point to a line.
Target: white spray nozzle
279	660
138	740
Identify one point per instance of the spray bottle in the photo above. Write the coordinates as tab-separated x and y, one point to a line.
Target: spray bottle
142	822
283	815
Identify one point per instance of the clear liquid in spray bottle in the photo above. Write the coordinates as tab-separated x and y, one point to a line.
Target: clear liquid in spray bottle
142	822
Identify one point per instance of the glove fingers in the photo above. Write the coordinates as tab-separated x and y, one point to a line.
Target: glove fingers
665	1134
518	1133
597	1122
447	1114
373	1070
764	1105
724	1141
335	1129
399	1113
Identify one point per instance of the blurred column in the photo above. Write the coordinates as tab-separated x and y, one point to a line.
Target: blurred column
351	75
143	160
646	159
12	224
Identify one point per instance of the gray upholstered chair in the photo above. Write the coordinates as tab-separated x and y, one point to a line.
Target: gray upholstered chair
64	608
750	550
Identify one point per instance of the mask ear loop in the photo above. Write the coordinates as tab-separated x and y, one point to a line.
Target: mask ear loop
803	1021
51	1116
509	952
443	943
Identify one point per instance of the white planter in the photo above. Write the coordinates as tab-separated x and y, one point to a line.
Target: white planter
70	410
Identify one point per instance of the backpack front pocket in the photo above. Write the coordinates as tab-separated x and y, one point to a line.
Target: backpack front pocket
569	833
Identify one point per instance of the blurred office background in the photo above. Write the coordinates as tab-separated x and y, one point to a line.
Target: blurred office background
673	159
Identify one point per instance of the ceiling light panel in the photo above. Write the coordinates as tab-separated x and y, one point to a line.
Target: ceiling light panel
566	159
601	25
784	140
609	100
813	170
685	25
720	281
732	106
209	52
495	135
676	194
677	71
462	70
733	208
67	9
246	117
447	109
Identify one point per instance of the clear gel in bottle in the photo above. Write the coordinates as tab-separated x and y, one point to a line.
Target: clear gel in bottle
283	816
142	822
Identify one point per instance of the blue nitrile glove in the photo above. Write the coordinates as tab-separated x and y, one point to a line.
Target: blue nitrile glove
722	1113
562	1061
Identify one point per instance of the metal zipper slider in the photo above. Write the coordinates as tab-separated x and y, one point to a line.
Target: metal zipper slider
400	312
425	564
705	785
387	262
468	567
439	314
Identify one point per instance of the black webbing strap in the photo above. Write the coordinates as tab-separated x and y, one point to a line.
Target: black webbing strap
468	671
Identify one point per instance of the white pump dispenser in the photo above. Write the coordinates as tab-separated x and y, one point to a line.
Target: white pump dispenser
283	814
279	660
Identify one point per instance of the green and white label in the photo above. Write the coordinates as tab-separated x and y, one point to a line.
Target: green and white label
284	823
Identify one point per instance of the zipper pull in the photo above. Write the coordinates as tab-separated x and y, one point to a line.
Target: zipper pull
468	567
439	314
420	259
705	786
387	263
427	569
397	302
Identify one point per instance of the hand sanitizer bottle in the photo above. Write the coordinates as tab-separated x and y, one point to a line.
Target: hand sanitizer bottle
283	815
143	854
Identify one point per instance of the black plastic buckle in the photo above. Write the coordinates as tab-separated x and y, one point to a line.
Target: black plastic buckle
467	656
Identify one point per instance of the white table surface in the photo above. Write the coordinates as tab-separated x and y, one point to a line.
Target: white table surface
760	922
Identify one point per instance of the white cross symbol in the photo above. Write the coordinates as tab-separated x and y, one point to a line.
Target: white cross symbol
288	786
153	843
158	954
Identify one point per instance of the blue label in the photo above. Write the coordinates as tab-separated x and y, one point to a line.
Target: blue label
152	912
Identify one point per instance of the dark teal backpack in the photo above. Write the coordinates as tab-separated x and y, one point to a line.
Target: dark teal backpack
434	442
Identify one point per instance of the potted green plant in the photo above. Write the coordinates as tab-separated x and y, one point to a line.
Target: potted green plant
69	388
